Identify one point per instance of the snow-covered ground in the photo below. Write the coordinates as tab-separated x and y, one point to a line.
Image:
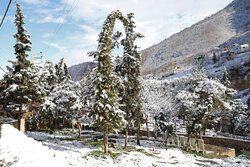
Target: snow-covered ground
177	75
18	150
236	62
244	95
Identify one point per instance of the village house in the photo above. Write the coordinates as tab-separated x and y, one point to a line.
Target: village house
240	48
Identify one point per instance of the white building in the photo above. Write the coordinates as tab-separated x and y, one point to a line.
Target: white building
244	47
240	48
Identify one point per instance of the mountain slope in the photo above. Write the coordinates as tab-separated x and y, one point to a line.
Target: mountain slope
78	71
176	53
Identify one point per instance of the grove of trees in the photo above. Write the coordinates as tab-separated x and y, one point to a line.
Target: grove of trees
113	96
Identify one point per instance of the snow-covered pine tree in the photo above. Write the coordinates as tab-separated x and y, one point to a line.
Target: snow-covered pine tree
106	112
165	123
87	91
157	97
65	94
225	81
59	71
66	71
36	79
23	43
61	94
198	100
81	107
85	98
129	70
49	82
20	84
76	109
237	113
243	126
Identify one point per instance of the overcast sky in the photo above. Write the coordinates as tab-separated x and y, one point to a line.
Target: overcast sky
70	28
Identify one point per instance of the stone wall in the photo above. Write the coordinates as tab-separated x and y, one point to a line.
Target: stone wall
230	143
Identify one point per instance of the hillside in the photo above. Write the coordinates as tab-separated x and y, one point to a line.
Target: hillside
175	54
78	71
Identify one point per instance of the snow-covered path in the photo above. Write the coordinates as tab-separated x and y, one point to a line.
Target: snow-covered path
18	150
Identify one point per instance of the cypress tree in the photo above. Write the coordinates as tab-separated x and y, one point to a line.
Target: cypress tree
106	112
129	71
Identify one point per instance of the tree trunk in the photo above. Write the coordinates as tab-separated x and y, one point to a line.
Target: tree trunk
188	135
40	122
156	134
138	135
51	126
56	123
63	123
79	131
19	117
147	129
220	130
49	123
126	136
200	133
105	142
72	126
233	130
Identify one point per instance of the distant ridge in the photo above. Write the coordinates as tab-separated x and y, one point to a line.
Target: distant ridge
78	71
175	54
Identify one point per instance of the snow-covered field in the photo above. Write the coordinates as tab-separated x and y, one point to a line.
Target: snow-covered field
18	150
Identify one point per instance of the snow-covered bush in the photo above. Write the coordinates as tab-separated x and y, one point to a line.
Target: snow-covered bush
165	123
199	99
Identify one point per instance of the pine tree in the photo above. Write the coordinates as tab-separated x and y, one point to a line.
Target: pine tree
214	58
76	108
225	80
64	94
243	125
129	71
61	94
36	83
165	122
19	84
237	112
59	72
199	99
48	106
156	97
87	91
23	43
66	71
106	112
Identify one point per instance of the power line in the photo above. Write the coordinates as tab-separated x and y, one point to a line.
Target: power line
3	70
5	13
59	26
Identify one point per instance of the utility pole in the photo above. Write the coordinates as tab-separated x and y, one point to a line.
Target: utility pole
33	58
199	59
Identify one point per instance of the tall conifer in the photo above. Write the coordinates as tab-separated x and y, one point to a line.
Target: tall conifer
106	112
129	71
20	84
